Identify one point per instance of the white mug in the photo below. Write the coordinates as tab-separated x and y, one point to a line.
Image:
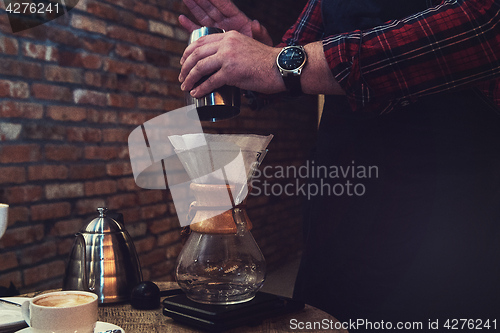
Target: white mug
4	209
61	312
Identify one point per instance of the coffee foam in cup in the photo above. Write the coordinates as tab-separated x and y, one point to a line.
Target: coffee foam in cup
63	301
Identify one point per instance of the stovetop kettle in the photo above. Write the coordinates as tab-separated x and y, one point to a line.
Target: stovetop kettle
103	260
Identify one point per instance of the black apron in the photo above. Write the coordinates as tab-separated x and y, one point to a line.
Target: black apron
422	242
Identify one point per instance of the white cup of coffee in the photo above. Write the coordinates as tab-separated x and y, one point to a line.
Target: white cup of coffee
61	312
4	209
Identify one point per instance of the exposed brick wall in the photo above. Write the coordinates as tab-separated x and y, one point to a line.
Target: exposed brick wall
71	91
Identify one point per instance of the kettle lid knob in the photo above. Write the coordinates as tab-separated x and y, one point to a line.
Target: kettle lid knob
103	223
102	211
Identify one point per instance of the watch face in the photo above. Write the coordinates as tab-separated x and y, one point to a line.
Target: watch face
291	58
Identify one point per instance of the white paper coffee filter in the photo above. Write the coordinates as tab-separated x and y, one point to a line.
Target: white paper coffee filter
219	159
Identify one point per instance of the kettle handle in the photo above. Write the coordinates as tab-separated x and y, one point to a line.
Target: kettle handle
80	242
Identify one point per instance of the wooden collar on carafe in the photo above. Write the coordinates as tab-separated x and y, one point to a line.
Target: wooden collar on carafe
207	201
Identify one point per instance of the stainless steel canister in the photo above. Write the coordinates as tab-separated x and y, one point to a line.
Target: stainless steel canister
222	103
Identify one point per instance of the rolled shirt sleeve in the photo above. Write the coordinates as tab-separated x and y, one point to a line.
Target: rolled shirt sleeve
453	45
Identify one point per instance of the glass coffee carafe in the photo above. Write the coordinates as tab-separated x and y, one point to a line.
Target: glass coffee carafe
220	262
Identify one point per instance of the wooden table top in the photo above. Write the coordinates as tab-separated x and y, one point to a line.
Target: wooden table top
153	321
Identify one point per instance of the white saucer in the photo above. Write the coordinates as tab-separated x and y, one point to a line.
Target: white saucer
10	316
100	327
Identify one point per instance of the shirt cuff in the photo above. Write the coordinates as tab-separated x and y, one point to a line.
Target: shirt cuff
342	54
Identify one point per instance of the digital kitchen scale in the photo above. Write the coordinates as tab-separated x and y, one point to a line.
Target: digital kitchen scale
217	318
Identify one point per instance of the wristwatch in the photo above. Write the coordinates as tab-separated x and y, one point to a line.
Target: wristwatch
290	62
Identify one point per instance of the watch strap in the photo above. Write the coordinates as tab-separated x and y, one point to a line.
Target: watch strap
292	84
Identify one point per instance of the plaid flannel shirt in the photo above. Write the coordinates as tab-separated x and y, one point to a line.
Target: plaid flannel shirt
454	45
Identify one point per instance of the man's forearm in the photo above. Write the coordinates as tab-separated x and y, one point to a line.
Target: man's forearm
316	76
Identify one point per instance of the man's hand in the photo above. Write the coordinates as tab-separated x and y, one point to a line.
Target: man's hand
231	58
225	15
234	59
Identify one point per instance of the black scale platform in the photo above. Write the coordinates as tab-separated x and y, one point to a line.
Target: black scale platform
218	318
